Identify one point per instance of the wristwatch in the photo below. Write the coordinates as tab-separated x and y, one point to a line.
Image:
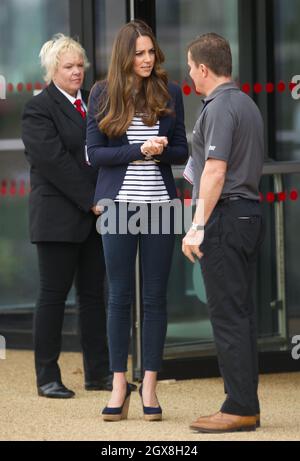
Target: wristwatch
196	227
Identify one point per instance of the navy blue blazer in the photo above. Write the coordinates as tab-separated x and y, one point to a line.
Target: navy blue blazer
112	155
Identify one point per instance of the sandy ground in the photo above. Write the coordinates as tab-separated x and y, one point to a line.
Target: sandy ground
25	416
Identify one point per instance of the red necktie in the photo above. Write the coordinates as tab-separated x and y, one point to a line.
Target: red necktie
79	108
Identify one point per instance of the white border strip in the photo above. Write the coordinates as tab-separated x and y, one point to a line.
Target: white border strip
11	144
132	12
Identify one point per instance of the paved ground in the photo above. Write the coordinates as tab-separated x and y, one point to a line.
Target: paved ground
25	416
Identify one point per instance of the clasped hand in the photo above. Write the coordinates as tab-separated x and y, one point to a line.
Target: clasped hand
154	145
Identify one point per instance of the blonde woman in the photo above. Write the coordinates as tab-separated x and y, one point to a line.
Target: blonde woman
62	219
135	133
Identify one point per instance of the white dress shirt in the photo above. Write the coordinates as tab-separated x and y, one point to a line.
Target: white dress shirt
71	98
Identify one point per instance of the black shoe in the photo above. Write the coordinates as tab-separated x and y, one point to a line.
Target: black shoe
104	384
55	390
118	413
150	413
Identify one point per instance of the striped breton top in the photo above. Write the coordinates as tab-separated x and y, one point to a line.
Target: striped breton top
143	181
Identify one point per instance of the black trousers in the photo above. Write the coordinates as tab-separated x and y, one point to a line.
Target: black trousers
233	236
59	264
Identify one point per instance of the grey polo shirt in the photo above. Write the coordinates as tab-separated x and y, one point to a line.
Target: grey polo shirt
230	128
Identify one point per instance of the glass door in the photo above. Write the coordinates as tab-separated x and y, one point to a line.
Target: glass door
24	27
177	23
110	16
287	123
189	331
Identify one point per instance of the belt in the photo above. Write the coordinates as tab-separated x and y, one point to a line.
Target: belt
231	198
234	198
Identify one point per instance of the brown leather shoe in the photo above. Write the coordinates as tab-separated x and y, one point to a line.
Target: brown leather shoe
257	416
224	422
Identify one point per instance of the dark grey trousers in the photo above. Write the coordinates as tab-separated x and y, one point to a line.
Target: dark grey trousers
233	236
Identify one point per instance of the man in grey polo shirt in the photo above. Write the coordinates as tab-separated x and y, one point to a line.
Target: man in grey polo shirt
227	160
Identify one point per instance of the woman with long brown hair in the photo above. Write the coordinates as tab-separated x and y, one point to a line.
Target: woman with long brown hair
135	133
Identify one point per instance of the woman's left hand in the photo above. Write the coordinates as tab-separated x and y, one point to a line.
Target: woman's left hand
155	145
160	142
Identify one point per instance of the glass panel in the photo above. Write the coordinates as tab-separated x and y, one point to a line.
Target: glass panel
24	27
287	37
180	21
188	320
292	251
177	23
110	15
266	289
189	324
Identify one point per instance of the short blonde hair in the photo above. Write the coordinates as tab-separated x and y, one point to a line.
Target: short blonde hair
51	52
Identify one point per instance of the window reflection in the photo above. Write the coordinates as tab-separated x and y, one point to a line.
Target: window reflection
179	22
110	15
287	37
24	27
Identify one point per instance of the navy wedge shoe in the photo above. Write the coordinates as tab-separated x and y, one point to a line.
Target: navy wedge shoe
150	413
118	413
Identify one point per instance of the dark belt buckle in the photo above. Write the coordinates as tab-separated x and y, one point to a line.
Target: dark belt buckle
230	199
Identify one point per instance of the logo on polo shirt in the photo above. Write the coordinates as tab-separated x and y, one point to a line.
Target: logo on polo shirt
212	147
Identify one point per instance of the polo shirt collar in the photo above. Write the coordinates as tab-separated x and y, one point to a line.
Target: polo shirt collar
220	89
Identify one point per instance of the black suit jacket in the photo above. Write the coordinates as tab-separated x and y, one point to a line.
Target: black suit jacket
62	183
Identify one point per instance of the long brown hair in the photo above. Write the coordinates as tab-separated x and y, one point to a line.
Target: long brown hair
119	102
